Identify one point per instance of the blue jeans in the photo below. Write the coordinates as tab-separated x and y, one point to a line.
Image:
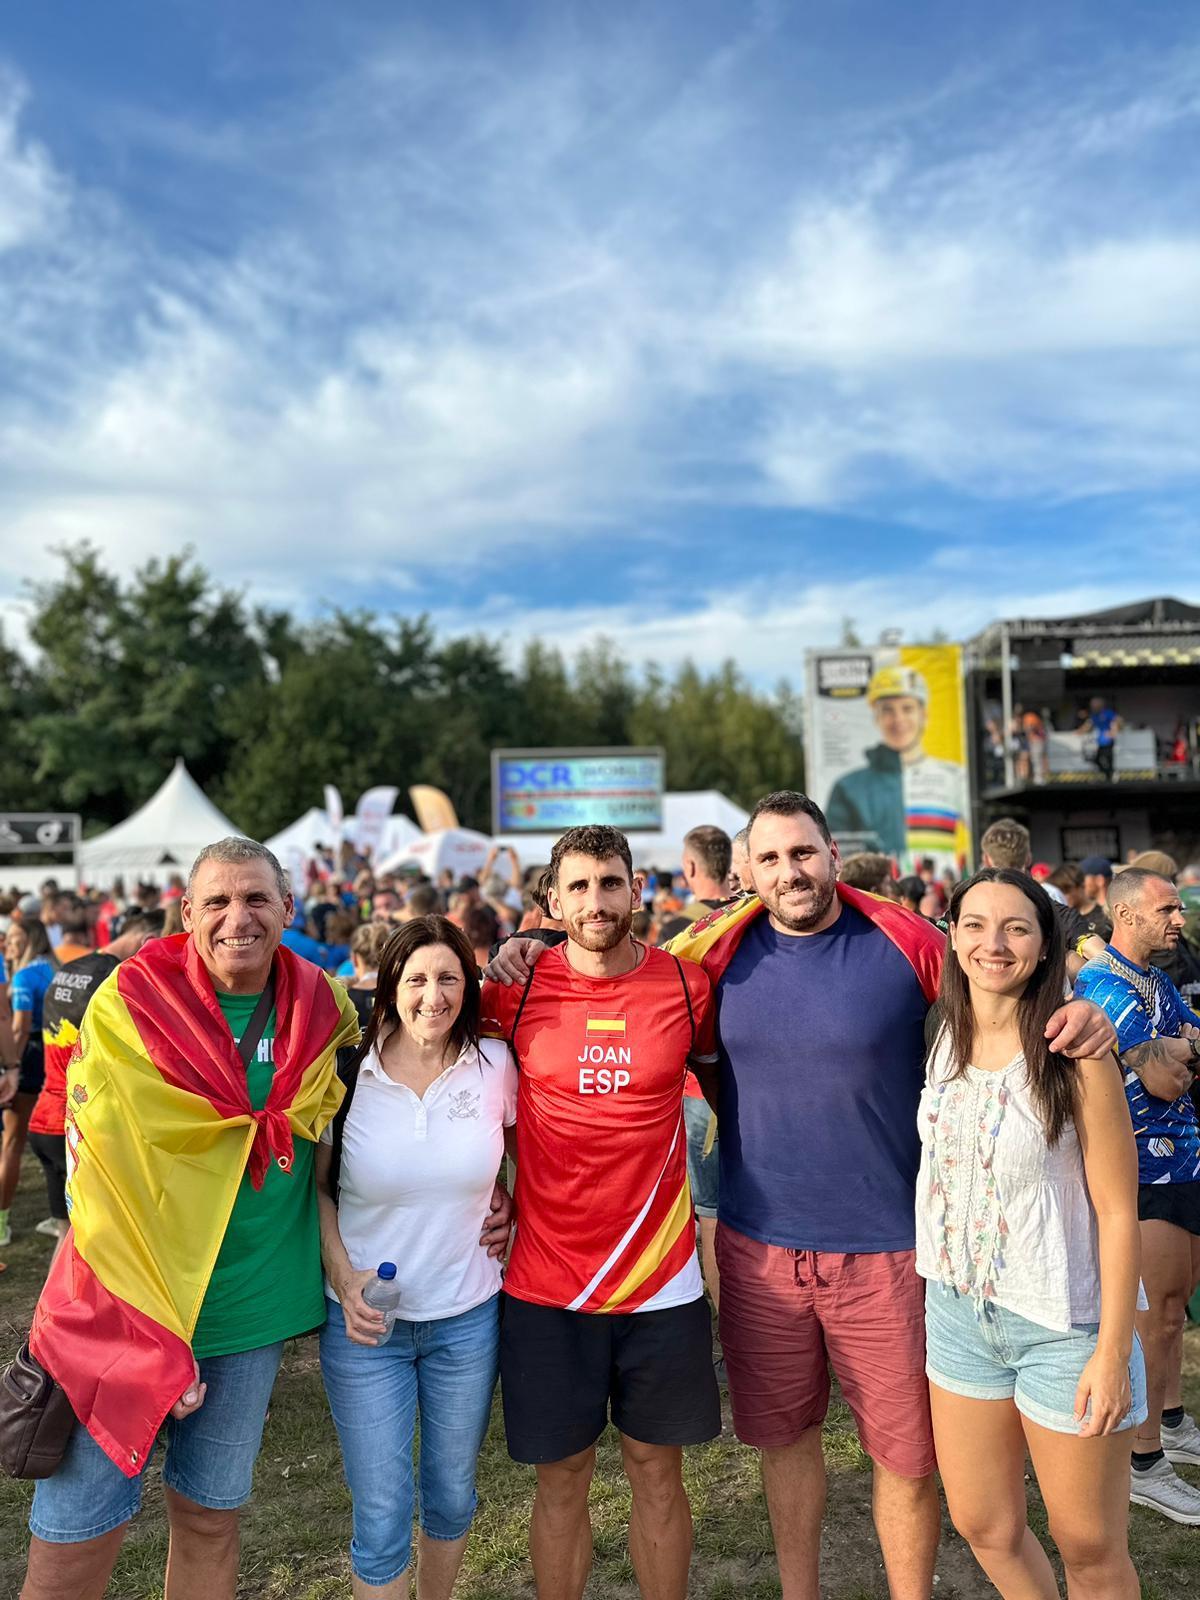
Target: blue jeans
446	1370
210	1456
702	1169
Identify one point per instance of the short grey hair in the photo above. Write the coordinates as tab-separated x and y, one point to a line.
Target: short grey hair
234	850
741	840
1129	886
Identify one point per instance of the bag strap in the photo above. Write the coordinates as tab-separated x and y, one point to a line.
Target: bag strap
687	995
347	1071
512	1034
249	1042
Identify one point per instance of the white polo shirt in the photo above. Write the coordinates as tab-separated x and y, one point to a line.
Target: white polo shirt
417	1176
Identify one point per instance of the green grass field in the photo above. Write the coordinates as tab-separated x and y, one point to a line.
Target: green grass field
296	1529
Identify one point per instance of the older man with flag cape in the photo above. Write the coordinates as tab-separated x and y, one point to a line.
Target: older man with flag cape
193	1250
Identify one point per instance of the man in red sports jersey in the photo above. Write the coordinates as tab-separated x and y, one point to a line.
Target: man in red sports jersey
603	1301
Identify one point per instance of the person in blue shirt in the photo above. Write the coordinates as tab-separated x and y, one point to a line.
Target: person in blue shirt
327	956
1103	724
1158	1042
30	961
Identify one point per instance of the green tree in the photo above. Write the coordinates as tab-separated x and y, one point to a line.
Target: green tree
129	678
266	710
718	733
548	712
351	705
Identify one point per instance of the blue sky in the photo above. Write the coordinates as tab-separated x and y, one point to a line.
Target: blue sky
701	326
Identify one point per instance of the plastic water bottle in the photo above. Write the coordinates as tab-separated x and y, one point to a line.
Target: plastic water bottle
383	1294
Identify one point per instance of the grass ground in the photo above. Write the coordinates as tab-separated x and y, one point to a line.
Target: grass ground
296	1529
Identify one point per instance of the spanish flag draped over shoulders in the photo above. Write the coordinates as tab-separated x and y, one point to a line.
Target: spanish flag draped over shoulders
713	940
160	1131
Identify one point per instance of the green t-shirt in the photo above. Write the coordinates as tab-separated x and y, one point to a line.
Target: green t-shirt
266	1284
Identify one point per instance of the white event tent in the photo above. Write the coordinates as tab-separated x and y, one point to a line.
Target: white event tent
296	844
163	836
303	836
462	850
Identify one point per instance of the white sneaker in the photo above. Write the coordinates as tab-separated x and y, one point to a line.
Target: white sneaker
49	1227
1162	1489
5	1235
1182	1444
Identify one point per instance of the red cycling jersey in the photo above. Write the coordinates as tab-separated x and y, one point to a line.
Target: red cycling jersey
604	1212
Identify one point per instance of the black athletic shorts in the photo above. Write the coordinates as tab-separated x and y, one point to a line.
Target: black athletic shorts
1170	1202
51	1151
33	1068
561	1371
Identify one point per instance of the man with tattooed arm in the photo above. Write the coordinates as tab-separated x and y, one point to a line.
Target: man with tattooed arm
1159	1050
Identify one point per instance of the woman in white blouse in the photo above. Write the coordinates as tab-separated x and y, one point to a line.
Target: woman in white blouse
1027	1236
406	1175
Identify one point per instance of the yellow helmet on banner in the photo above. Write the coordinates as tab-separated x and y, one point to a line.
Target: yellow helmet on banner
889	682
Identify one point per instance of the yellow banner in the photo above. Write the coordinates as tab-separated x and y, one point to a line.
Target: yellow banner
433	809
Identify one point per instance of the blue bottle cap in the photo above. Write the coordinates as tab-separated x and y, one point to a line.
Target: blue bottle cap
387	1270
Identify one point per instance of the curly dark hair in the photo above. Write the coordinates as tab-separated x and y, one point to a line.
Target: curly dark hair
597	843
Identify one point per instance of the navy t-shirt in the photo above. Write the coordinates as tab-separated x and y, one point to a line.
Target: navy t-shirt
822	1042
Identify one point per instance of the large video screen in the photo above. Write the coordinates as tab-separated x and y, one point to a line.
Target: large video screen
547	791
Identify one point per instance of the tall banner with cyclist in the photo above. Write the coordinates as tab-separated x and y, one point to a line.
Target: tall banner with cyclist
887	752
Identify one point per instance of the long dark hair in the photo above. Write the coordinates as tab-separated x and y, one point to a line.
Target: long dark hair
37	945
403	944
1051	1076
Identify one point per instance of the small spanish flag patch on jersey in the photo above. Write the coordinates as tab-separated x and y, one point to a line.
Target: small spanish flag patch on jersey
610	1027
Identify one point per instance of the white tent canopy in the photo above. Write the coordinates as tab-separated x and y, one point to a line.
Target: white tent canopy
296	844
303	835
398	832
681	813
461	849
314	828
164	836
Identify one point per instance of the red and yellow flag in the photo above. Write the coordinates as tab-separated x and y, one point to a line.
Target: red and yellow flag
713	940
159	1133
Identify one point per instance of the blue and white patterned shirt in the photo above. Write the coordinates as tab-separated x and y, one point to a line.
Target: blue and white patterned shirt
1168	1138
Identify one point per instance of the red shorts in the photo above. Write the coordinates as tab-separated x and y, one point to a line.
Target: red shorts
788	1315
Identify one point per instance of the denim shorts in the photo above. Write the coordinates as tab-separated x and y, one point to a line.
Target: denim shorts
702	1169
443	1370
210	1456
991	1353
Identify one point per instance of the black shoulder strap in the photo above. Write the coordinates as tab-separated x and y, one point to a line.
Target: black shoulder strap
347	1071
257	1026
512	1036
687	995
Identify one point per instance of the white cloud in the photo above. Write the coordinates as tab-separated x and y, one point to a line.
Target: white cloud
32	198
766	626
490	303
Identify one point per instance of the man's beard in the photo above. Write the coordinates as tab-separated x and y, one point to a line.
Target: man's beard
799	922
607	937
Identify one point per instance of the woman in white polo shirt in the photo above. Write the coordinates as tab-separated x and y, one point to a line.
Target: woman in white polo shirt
405	1174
